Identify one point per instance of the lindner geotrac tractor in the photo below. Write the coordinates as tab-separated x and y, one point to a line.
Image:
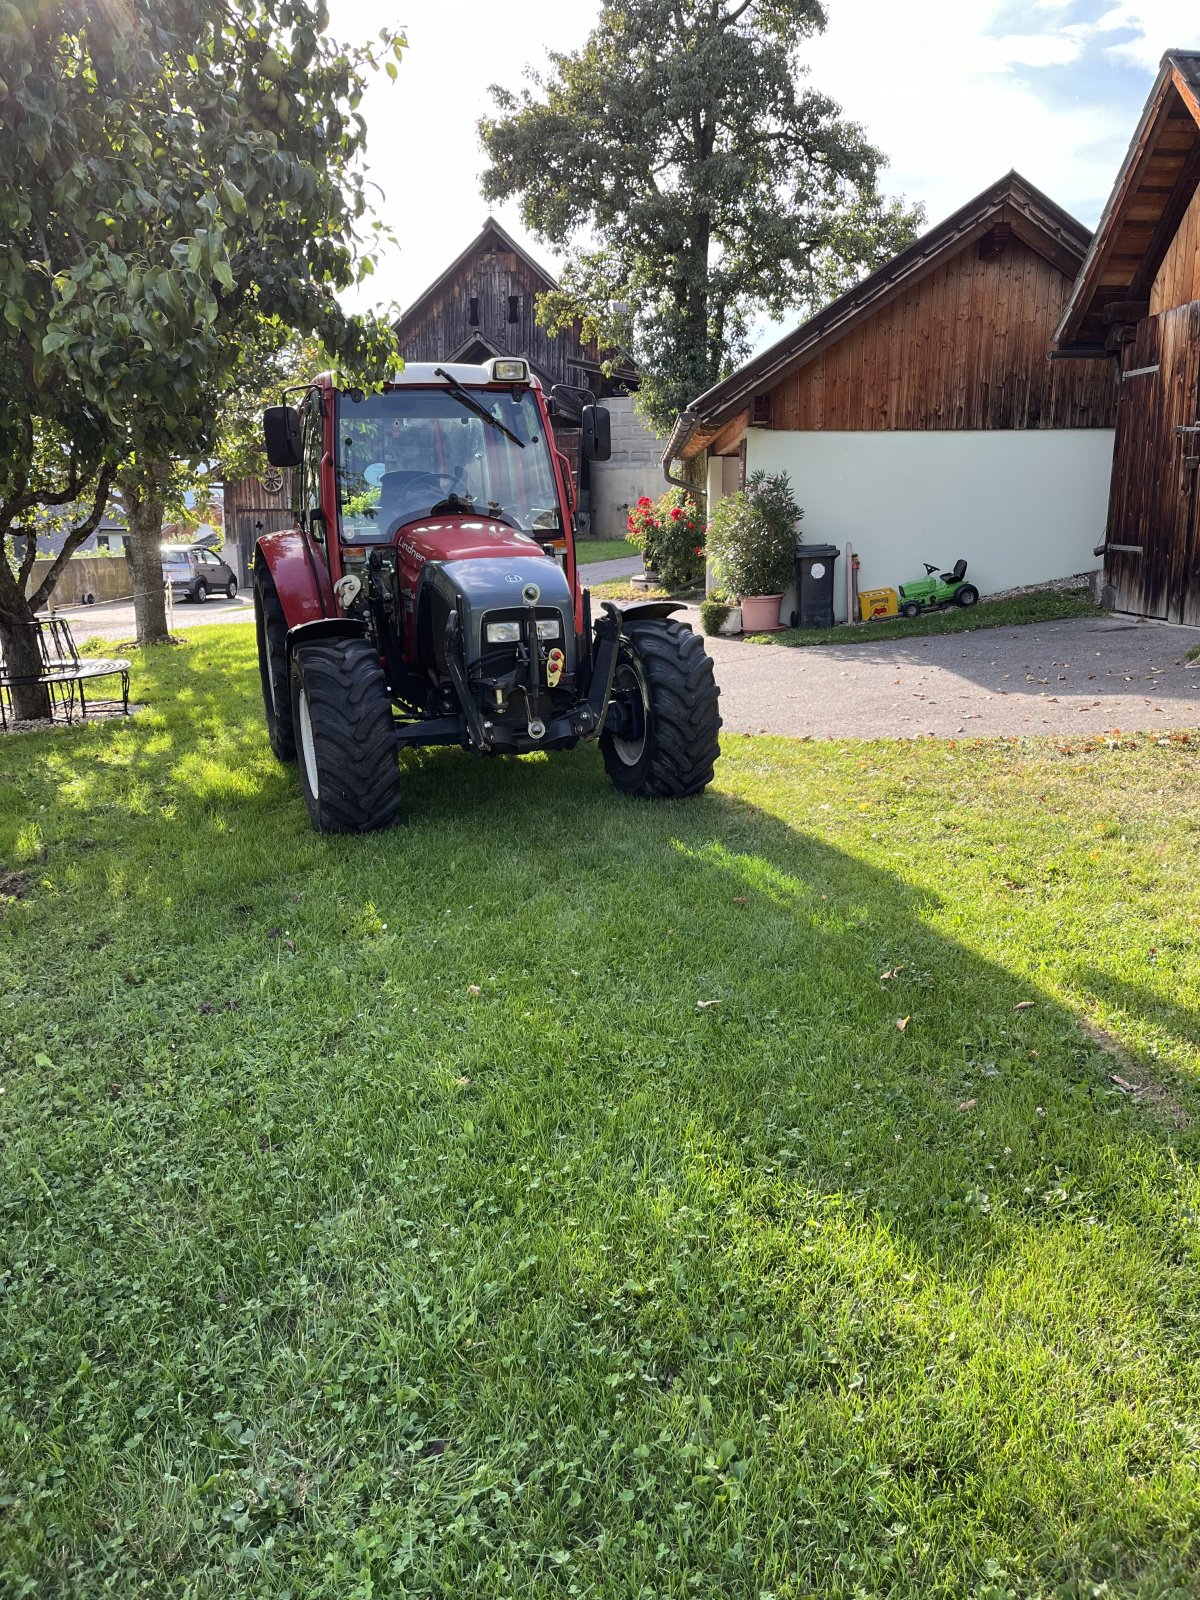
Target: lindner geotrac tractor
429	594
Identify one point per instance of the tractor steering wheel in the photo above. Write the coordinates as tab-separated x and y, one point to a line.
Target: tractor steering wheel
411	488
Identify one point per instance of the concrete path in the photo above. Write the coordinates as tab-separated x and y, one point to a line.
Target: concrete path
113	619
1088	675
593	572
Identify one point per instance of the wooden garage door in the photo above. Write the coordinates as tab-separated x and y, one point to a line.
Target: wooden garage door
1152	559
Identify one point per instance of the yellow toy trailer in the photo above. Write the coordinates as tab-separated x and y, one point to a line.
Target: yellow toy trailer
878	603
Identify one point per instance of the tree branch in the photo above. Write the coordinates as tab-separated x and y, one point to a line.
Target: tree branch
73	540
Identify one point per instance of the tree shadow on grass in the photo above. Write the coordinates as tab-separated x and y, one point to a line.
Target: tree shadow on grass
581	1139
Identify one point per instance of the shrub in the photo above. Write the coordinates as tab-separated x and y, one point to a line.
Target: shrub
670	536
712	614
753	534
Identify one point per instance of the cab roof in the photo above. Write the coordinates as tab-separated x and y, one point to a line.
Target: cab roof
467	373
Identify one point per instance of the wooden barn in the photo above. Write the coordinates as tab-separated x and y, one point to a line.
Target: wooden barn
484	305
919	415
1136	305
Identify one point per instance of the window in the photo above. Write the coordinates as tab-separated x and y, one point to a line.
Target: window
402	452
514	308
306	483
474	311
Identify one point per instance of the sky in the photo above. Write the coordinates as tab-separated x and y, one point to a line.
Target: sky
956	92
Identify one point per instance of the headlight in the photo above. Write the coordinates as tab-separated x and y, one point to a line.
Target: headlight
512	632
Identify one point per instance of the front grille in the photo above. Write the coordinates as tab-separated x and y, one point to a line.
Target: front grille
500	660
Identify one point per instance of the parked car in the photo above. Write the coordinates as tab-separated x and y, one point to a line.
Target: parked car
195	572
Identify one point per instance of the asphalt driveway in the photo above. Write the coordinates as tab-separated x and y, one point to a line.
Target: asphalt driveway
1088	675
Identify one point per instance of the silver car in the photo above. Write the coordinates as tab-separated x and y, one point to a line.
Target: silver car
195	572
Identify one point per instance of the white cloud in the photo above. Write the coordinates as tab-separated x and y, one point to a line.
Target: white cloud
952	101
1156	26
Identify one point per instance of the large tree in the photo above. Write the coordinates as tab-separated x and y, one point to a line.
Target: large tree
174	179
710	183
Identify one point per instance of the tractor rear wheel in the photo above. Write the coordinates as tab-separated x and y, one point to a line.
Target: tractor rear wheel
345	736
669	745
271	628
968	595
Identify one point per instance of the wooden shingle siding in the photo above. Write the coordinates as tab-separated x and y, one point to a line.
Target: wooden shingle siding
964	348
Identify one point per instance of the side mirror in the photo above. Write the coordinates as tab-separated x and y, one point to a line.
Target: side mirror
597	433
281	430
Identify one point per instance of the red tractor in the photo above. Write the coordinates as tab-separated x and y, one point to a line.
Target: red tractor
429	594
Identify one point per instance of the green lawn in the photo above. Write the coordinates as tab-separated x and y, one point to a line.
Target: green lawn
605	550
1044	605
544	1198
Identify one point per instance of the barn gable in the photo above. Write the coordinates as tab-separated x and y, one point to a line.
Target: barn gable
485	304
952	334
1137	299
1148	225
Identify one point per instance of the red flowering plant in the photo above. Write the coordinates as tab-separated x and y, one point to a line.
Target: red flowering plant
670	535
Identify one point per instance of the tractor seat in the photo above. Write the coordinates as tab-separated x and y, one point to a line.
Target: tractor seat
959	573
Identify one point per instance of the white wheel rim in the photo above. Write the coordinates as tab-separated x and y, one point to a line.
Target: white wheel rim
307	748
629	676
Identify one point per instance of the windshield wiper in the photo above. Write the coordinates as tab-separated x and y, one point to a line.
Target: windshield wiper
466	399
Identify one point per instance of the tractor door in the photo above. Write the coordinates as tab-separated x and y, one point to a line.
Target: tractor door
306	482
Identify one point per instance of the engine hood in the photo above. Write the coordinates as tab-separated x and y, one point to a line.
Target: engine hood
467	539
483	585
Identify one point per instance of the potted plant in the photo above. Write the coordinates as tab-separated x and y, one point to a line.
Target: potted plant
752	539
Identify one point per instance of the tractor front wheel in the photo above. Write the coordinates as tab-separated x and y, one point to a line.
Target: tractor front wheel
910	609
968	595
667	744
345	736
270	625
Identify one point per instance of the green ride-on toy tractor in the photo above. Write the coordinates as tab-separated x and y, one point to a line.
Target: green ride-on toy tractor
937	589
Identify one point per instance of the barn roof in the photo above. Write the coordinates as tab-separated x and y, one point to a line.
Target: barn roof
1012	201
1157	180
491	237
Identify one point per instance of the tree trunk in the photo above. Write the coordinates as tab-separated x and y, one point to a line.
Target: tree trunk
19	648
143	555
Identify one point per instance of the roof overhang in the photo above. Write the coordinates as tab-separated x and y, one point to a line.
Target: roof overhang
1156	182
1031	216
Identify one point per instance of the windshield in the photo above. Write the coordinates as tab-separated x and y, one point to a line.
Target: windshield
403	452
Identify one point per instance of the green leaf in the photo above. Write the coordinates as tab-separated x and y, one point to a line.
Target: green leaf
233	197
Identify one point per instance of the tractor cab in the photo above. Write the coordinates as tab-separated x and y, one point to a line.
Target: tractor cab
433	558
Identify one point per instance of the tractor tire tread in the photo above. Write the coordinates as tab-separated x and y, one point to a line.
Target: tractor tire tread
272	630
350	712
684	700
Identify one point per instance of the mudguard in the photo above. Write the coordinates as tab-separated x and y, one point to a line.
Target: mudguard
651	608
327	628
301	577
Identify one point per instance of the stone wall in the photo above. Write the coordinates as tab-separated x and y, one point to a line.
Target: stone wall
105	577
634	469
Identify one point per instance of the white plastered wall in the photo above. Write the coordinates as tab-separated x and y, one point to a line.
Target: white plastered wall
1023	507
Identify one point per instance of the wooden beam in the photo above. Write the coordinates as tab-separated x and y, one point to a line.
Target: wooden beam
730	436
1126	310
1168	223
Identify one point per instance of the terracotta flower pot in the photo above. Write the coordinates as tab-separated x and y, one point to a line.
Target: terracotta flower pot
760	613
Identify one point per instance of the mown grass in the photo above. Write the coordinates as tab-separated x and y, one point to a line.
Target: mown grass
604	550
1045	605
543	1198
